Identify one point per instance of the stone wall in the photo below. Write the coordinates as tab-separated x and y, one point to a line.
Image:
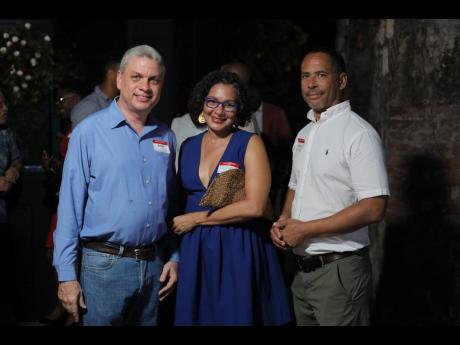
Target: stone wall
405	80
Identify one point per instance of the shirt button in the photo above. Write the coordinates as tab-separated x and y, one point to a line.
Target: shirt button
147	226
147	181
145	159
150	203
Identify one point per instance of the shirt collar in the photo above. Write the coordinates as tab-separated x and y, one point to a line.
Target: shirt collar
331	112
119	119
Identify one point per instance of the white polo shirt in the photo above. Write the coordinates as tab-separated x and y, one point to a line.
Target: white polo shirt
337	161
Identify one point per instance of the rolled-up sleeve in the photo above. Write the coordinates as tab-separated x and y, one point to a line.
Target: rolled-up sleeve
367	166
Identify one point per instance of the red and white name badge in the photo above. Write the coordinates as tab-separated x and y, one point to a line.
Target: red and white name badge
300	144
226	166
161	146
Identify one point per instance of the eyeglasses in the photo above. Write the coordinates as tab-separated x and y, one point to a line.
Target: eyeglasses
227	105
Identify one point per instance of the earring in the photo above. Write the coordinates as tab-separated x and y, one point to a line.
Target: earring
201	118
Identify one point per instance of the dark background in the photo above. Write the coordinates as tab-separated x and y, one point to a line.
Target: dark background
403	78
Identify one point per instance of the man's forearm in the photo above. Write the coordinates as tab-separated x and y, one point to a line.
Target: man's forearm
365	212
286	212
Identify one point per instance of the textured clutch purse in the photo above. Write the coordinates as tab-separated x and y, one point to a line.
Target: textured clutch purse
227	188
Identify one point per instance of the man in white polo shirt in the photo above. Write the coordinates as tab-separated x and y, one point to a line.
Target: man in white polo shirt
338	187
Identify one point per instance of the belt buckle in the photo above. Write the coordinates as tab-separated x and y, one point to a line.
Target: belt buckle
309	264
137	253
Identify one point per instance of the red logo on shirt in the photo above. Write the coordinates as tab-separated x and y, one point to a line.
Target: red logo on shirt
301	140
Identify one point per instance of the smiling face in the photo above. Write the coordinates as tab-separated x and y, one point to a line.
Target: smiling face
321	85
140	85
219	119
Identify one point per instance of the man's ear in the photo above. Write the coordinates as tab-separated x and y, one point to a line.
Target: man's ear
342	81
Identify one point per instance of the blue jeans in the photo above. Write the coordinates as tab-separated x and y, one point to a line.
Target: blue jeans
119	291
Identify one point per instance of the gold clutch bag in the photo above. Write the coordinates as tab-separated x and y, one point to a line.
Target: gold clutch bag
227	188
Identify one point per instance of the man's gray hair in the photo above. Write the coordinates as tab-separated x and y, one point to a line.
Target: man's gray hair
140	51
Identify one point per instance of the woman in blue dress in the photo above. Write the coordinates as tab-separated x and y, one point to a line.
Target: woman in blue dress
229	269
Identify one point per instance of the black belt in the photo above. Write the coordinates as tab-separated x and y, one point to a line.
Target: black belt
310	263
142	253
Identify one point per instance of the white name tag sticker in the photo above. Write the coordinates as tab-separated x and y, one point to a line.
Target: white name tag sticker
226	166
161	146
300	144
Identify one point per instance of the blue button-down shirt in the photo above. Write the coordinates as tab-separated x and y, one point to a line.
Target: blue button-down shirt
116	186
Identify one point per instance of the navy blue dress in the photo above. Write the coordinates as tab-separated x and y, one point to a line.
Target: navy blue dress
228	274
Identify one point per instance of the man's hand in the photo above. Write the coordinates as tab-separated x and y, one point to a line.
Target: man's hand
71	297
12	174
276	236
48	161
168	276
292	231
5	185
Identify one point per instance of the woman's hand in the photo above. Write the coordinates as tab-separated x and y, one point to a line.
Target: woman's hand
186	222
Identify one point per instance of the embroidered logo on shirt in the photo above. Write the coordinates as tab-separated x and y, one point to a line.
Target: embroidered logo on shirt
301	140
161	146
226	166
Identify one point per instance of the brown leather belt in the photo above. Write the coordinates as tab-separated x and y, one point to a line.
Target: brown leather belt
142	253
310	263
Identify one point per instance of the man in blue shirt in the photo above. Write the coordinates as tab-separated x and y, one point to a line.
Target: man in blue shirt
117	187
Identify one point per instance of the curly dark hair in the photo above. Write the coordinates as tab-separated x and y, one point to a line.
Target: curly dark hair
201	90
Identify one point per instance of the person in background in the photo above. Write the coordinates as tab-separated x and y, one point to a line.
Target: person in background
117	188
230	273
67	99
338	187
10	169
273	126
101	97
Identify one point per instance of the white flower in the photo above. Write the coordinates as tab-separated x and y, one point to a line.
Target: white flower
13	71
16	53
38	55
23	42
24	85
27	26
6	35
16	89
28	77
19	73
8	43
3	50
15	39
33	62
47	38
